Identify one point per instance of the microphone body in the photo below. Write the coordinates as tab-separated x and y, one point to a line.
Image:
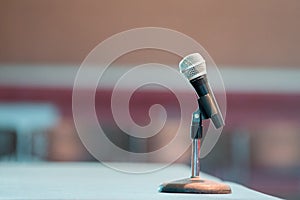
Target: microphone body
194	69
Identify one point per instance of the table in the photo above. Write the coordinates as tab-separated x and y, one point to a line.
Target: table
42	180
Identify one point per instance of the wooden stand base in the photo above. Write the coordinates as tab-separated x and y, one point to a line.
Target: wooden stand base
195	185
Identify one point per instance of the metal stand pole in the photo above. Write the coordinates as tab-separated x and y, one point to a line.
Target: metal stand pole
195	161
196	135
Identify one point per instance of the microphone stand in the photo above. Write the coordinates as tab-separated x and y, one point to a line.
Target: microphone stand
194	184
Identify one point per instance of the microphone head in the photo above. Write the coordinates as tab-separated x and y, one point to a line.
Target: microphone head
192	66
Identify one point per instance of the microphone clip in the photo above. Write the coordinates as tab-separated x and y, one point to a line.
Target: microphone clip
196	125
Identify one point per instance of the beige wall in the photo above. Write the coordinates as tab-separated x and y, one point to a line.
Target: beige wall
235	32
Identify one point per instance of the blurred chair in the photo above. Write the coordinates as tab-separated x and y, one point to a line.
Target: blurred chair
7	144
24	119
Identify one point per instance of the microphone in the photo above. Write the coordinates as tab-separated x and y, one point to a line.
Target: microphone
193	67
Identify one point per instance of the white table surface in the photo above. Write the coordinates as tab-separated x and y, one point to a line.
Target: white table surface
95	181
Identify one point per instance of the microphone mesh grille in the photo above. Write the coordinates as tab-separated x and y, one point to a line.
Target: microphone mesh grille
192	66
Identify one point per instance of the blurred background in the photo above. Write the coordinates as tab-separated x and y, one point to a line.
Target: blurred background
255	44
